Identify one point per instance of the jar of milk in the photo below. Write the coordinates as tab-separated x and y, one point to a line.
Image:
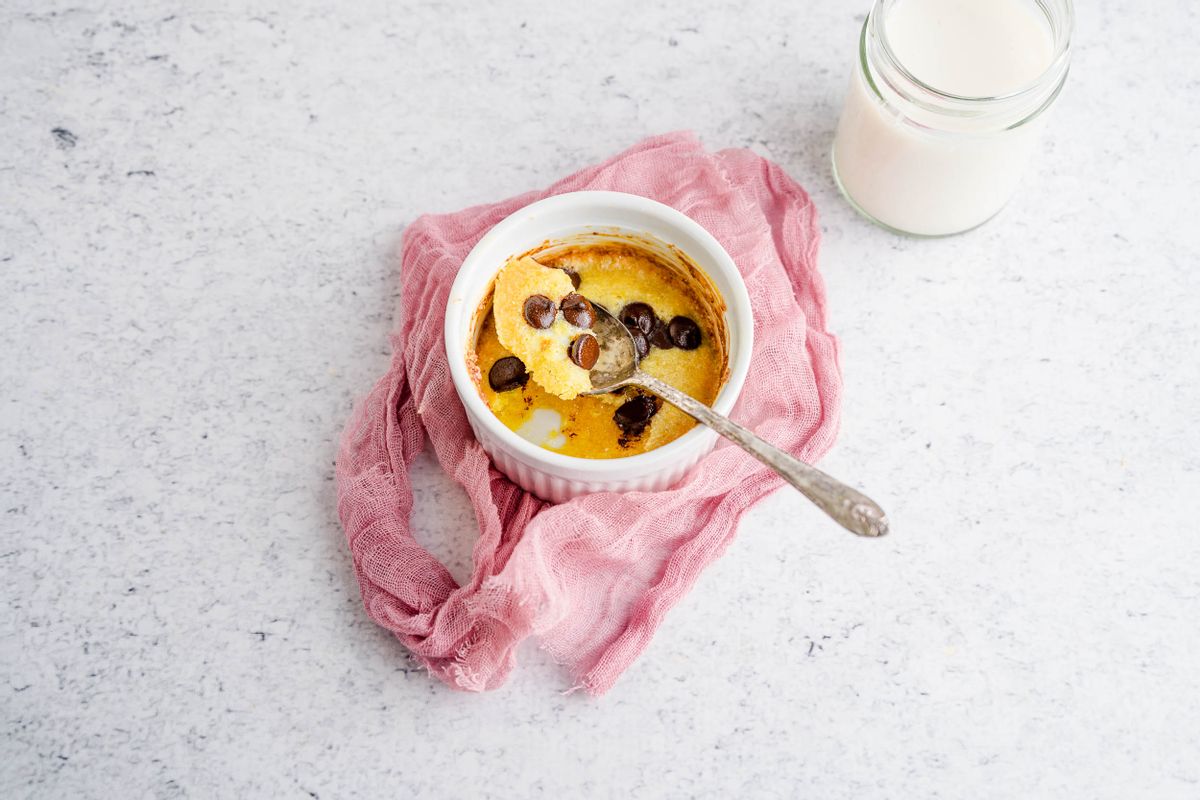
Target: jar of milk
945	107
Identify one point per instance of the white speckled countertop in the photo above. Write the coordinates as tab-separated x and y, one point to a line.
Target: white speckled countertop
198	213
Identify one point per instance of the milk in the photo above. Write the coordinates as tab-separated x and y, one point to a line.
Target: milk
921	169
974	48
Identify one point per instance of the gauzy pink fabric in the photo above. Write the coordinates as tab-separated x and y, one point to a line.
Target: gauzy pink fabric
592	578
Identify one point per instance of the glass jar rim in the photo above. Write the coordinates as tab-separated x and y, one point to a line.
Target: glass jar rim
1062	25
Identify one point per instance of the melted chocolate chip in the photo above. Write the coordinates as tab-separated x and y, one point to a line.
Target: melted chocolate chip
639	316
507	373
660	337
584	351
634	415
573	275
685	333
578	311
640	343
540	311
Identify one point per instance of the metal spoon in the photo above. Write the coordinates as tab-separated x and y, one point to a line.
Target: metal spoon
617	366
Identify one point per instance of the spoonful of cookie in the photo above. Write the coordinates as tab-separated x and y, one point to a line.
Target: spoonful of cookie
617	365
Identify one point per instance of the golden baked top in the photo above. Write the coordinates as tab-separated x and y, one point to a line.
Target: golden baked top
671	310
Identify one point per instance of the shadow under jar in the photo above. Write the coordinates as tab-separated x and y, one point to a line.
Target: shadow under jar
945	107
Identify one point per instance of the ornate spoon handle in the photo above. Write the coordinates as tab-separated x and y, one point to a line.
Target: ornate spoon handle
850	508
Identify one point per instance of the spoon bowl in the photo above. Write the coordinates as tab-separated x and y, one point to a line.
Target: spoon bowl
618	362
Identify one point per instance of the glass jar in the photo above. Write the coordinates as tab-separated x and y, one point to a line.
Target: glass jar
920	159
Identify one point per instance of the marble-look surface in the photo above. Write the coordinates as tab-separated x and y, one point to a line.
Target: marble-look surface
199	204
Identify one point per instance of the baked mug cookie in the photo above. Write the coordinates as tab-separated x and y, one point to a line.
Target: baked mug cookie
533	348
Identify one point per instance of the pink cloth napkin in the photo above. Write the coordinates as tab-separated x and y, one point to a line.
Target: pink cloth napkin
592	578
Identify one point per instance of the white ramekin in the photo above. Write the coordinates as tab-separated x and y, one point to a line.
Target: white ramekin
551	475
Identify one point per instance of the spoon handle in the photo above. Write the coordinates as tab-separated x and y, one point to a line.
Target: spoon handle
850	508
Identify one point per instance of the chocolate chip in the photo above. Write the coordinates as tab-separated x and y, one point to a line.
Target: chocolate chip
584	351
660	337
639	316
540	311
640	343
634	415
507	373
578	311
573	275
685	333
